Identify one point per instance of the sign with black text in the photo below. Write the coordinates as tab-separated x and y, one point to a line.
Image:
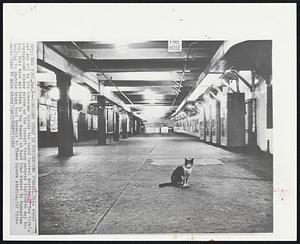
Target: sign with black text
174	46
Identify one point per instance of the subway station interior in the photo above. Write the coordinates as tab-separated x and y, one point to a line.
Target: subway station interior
115	119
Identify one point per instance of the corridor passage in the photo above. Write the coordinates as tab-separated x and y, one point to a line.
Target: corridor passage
114	188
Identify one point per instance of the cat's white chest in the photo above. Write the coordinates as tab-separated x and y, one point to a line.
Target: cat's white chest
187	171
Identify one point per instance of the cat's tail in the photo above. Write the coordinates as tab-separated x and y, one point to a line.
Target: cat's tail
165	184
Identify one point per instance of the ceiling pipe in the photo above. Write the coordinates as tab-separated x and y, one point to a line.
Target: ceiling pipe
214	96
217	88
184	69
176	83
242	79
99	71
227	85
235	75
176	90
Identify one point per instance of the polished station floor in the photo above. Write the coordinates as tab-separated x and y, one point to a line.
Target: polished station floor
114	188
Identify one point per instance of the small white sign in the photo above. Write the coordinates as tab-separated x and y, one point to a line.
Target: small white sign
174	46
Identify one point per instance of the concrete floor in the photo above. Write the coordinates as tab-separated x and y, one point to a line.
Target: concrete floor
114	189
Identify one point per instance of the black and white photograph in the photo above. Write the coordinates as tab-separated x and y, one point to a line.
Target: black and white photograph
178	125
155	137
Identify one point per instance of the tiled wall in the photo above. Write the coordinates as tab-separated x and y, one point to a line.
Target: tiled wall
264	135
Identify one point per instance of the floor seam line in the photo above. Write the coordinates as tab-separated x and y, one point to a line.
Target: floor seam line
122	190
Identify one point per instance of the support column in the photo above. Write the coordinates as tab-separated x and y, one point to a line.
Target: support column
130	125
133	125
204	124
124	128
116	124
252	134
235	119
138	126
101	112
101	120
65	126
218	122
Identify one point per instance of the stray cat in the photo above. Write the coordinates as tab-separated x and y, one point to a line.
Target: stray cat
180	175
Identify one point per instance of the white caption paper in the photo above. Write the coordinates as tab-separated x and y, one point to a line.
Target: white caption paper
23	138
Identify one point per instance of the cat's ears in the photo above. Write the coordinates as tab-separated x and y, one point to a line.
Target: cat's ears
192	160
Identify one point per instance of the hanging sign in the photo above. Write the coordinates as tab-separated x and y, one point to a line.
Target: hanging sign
174	46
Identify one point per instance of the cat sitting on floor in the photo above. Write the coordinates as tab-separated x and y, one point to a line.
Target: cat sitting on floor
180	175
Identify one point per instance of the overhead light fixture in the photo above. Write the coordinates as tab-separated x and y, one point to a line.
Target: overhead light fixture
151	96
181	71
148	93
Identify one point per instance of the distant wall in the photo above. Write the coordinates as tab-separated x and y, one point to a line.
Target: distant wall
155	127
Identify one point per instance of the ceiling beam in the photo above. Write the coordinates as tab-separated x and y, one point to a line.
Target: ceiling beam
140	106
134	44
134	53
192	71
50	59
140	96
136	65
137	83
46	77
154	103
142	92
152	75
140	88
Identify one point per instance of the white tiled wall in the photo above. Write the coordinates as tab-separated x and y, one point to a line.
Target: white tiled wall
263	134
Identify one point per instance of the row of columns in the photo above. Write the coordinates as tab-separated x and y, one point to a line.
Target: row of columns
65	124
